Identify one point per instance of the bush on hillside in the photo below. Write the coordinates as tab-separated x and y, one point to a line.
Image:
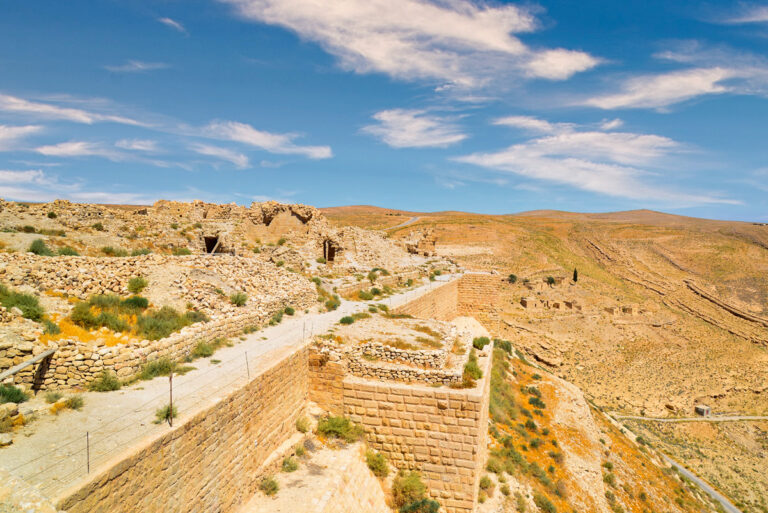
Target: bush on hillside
27	303
137	284
106	382
341	428
38	247
407	488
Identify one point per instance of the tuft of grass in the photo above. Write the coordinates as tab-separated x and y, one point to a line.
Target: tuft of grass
52	397
238	299
98	227
52	215
480	342
76	402
544	504
302	424
38	247
377	463
165	413
141	251
28	304
106	382
471	368
289	310
162	367
290	464
51	328
114	252
137	284
341	428
269	486
407	488
347	319
276	319
421	506
67	251
320	260
181	251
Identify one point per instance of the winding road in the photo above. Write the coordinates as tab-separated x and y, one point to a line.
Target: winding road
406	223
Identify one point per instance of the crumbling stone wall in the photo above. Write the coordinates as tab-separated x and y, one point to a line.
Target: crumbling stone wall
212	462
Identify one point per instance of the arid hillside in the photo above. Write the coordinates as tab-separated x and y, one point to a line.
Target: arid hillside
667	311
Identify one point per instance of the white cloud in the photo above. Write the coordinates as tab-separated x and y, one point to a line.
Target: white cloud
173	24
602	162
458	42
533	124
146	145
238	159
611	124
43	110
17	177
654	91
748	14
76	149
11	135
273	143
136	67
401	128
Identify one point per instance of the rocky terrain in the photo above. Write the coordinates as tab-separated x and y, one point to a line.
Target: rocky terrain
668	312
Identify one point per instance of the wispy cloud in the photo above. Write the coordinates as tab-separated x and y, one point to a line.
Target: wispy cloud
11	135
458	42
79	149
145	145
268	141
402	128
746	14
610	163
238	159
48	110
175	25
533	124
136	67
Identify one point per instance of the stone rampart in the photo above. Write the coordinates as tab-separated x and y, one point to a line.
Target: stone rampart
211	462
440	303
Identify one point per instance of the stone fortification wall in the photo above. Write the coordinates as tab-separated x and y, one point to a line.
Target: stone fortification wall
326	377
356	491
211	462
440	432
77	363
429	358
440	303
478	296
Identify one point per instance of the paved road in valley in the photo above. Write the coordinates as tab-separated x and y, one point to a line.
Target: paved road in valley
406	223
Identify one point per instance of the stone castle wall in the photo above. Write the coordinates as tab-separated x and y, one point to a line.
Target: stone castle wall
211	462
440	303
478	296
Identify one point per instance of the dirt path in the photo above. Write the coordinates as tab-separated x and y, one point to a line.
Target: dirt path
406	223
53	455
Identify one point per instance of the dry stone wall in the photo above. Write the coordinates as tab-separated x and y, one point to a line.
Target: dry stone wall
440	303
211	462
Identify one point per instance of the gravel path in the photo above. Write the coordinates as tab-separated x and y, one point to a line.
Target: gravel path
719	418
53	454
406	223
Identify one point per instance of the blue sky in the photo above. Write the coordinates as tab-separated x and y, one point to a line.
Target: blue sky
424	105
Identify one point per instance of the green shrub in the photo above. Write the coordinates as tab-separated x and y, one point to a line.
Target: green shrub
12	394
52	215
333	303
530	425
290	464
494	465
512	278
135	302
51	328
67	251
320	260
505	490
471	368
486	483
340	427
544	503
165	413
300	451
52	397
289	310
202	350
181	251
98	227
28	304
137	284
347	319
38	247
550	281
504	345
421	506
162	367
114	252
161	323
480	342
112	322
276	319
238	299
376	291
302	424
76	402
536	402
407	488
281	241
140	251
269	485
106	382
609	479
364	295
377	463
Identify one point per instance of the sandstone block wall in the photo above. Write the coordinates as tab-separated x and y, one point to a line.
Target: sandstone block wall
440	432
358	491
440	303
211	462
478	296
326	378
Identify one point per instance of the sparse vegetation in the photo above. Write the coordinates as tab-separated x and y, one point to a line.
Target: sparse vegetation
181	251
28	304
12	394
290	464
137	284
162	367
512	278
377	463
66	251
38	247
480	342
269	486
114	252
106	382
302	424
165	414
341	428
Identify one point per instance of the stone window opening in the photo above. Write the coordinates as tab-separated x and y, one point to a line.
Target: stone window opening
211	243
329	251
